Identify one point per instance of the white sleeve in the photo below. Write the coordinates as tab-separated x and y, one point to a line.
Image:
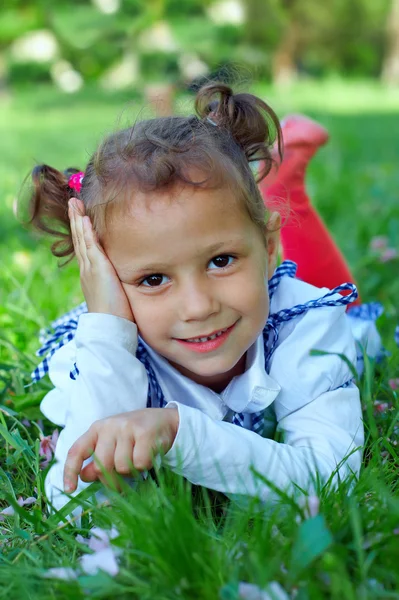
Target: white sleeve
321	422
111	380
221	456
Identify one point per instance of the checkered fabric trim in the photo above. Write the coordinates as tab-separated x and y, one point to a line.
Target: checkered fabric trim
287	268
65	330
367	312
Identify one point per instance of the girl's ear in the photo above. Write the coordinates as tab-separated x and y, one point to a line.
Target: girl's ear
272	234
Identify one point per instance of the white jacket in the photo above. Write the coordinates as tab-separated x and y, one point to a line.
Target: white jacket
321	421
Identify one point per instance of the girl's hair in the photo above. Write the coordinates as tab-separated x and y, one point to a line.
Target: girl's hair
213	149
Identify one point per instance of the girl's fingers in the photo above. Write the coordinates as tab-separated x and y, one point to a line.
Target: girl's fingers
143	453
87	247
81	240
82	449
71	214
77	231
124	456
93	248
103	460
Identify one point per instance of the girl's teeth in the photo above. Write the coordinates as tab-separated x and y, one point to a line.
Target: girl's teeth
207	339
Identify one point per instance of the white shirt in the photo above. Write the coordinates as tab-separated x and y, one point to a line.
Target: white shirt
321	421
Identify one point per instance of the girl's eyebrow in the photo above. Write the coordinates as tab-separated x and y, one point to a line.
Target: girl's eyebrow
154	268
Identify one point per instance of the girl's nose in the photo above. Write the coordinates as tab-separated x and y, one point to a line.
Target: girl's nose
198	302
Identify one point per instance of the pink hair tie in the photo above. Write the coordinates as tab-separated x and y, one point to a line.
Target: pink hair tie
75	181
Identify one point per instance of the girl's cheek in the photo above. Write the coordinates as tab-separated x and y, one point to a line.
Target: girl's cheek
148	315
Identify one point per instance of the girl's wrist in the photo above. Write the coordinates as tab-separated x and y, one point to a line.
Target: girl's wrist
173	420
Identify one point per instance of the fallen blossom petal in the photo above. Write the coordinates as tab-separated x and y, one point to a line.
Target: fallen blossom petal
104	560
8	511
273	591
313	505
310	505
388	254
47	447
79	538
379	242
394	383
101	538
64	573
27	501
381	407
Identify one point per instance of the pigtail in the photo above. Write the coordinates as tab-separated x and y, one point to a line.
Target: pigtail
251	122
48	207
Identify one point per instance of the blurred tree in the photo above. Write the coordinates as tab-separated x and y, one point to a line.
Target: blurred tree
174	40
390	70
354	40
316	37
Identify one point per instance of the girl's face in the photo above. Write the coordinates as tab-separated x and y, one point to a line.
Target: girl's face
194	265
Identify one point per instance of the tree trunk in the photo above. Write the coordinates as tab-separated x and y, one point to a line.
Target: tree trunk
284	65
390	68
160	97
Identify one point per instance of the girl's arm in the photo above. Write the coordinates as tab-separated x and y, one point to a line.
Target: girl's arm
321	421
219	455
111	380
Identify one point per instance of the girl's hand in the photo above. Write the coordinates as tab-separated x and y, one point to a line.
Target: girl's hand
120	442
100	283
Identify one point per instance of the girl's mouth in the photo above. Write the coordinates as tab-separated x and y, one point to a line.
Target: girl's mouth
207	343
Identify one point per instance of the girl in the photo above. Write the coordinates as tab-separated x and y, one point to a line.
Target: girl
191	341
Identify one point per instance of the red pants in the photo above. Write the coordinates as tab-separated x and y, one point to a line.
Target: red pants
306	240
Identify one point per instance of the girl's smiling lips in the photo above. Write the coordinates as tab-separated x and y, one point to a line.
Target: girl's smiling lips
202	345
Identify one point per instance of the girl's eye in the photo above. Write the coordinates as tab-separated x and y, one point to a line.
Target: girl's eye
154	280
224	260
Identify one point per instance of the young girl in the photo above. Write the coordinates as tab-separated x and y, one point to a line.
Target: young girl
191	341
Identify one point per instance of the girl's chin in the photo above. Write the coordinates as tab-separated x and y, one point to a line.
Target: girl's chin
216	372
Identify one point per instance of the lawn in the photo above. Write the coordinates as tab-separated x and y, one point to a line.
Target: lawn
175	542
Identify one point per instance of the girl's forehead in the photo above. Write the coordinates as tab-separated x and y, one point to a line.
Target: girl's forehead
186	218
183	204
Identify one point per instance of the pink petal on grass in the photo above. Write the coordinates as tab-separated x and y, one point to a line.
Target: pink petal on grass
381	407
101	538
27	501
9	511
64	573
394	383
388	254
104	555
47	447
313	505
104	560
379	242
273	591
310	505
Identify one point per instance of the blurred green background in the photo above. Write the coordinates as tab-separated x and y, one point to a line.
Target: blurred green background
125	43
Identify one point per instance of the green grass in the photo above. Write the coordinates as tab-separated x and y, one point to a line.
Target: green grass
176	542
